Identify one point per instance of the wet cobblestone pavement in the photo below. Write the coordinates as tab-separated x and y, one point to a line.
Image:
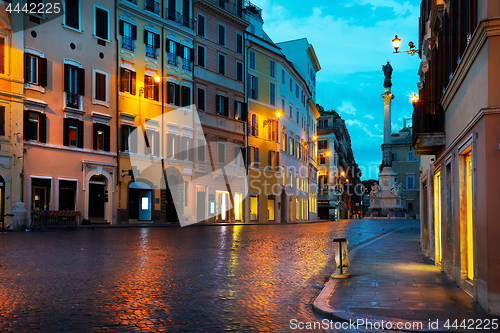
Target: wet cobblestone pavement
210	279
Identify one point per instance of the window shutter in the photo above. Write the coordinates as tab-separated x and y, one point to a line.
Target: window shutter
177	49
26	67
133	140
66	77
42	72
217	104
103	87
244	112
270	159
235	109
65	131
257	157
106	144
2	55
226	106
122	79
123	139
147	85
80	81
256	124
80	134
191	54
146	36
133	83
2	120
177	149
122	27
157	41
156	88
42	121
248	156
133	33
157	143
177	95
168	46
277	159
181	50
95	129
26	125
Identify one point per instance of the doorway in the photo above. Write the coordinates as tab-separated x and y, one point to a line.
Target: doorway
437	218
2	199
97	198
201	195
466	219
139	202
40	194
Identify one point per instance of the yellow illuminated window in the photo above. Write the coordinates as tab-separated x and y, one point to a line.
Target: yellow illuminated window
238	206
254	208
270	208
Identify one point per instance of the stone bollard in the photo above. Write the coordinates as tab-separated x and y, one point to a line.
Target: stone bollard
19	219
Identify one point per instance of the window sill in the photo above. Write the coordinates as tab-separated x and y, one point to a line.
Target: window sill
73	110
72	29
132	53
99	102
35	87
104	40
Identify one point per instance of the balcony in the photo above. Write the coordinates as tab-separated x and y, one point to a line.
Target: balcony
152	6
128	43
151	51
183	20
72	100
232	7
172	59
132	1
187	64
428	128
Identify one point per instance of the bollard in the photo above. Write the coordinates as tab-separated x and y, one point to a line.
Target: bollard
342	275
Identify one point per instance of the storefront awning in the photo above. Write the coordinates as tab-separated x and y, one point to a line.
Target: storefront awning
327	206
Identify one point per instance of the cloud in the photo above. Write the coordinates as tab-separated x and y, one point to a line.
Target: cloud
369	116
346	108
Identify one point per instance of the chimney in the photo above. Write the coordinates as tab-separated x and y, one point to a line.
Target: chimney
404	123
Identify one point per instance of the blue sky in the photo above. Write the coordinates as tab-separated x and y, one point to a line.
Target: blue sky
352	39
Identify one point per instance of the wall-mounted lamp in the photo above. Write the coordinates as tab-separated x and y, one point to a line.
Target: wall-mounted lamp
396	43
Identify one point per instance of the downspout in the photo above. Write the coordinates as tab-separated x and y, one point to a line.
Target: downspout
118	170
247	202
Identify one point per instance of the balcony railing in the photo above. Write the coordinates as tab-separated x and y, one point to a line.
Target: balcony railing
172	59
183	20
428	128
152	6
187	22
187	64
72	100
128	43
133	1
151	51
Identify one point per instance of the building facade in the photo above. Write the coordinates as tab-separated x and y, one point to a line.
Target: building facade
69	113
155	61
455	123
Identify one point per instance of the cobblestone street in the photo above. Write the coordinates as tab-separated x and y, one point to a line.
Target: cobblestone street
211	279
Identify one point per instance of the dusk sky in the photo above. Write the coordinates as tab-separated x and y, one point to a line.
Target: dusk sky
352	39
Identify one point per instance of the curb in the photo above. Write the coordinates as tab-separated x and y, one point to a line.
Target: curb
319	304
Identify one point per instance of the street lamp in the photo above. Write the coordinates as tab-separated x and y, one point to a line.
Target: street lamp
269	120
396	43
414	98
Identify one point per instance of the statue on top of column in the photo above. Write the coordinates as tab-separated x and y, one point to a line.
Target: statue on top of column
388	75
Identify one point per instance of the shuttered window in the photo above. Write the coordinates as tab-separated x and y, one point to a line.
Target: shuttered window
73	132
72	13
2	120
100	86
35	69
101	23
201	99
101	137
201	56
2	55
222	35
127	81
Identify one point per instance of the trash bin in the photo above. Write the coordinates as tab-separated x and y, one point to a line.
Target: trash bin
341	258
7	221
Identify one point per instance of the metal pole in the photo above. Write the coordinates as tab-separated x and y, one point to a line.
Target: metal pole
340	255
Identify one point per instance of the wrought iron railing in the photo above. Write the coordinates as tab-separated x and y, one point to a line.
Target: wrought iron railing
133	1
128	43
152	6
151	51
187	64
72	100
428	119
172	59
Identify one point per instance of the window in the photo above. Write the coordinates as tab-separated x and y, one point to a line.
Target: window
254	207
101	137
128	34
126	132
255	126
323	144
152	142
271	163
222	105
283	76
73	132
35	69
127	81
410	156
152	6
101	23
2	120
394	157
152	42
410	182
35	126
221	150
239	71
255	156
291	112
186	154
201	56
72	13
323	123
253	87
201	25
290	144
296	91
284	139
270	208
290	177
100	86
272	93
252	60
239	43
173	52
322	159
74	85
272	69
222	64
151	88
187	58
173	93
239	110
201	99
186	96
201	150
222	35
